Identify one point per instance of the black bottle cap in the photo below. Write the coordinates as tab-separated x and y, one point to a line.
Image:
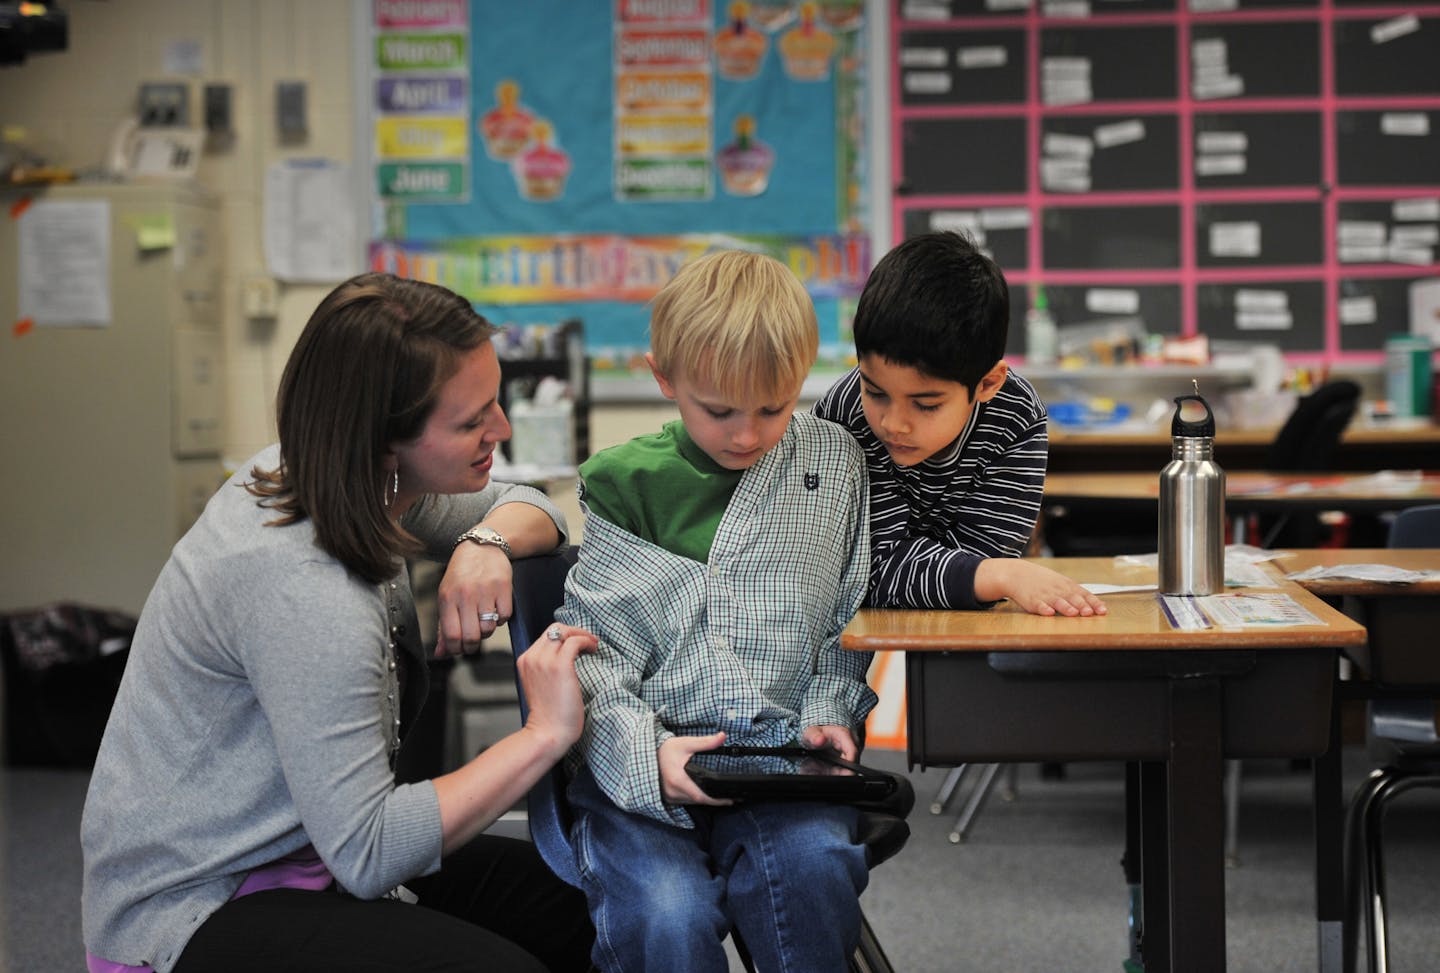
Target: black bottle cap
1192	428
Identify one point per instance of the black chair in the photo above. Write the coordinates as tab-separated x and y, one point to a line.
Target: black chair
539	591
1403	735
1308	442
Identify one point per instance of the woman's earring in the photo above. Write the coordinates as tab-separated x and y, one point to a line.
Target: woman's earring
392	489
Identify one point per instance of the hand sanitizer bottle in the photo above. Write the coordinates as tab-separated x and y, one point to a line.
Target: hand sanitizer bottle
1040	336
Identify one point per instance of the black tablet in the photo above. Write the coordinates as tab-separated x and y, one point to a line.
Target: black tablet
787	774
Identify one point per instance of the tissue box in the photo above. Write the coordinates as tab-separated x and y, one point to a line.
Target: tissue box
542	435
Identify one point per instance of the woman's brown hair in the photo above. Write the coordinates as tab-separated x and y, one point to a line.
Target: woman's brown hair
364	374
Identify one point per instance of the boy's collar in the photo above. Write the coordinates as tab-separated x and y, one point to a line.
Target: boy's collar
692	453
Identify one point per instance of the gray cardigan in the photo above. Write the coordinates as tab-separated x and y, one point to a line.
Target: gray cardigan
258	715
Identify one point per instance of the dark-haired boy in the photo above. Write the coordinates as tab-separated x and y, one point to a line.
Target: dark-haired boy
955	443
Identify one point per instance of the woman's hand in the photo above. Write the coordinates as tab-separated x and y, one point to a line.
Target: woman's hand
676	784
479	791
552	688
475	597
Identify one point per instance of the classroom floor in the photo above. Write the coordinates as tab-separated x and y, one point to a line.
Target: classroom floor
1037	887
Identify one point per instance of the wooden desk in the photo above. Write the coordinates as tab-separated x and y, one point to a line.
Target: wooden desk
1254	492
1002	685
1363	446
1401	620
1397	657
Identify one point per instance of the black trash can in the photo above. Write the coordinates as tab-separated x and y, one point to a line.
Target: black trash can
62	667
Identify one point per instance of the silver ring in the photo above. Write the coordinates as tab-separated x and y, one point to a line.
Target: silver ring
555	634
489	616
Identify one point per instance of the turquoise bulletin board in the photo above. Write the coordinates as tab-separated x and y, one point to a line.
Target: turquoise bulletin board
560	159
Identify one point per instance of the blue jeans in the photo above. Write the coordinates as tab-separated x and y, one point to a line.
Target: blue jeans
788	876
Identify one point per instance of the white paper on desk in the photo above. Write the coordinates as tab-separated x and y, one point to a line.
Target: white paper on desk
64	263
1246	574
1101	588
1383	573
310	234
1242	566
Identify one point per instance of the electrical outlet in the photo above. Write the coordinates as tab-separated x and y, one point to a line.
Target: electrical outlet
164	104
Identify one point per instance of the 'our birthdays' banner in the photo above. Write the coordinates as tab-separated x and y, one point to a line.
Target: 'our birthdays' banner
556	159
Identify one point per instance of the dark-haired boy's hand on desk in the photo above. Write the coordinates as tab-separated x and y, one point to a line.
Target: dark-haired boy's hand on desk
1034	587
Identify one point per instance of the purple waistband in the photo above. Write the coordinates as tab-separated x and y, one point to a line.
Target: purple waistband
301	869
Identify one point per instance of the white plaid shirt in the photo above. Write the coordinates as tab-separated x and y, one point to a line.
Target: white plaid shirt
748	642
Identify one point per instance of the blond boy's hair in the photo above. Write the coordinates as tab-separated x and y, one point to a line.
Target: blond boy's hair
740	321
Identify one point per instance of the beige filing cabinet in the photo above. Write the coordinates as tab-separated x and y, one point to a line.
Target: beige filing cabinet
110	435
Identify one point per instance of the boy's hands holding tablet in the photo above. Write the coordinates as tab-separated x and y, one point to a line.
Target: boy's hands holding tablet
676	784
832	737
788	773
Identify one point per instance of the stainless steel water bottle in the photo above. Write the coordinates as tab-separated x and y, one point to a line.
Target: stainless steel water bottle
1192	504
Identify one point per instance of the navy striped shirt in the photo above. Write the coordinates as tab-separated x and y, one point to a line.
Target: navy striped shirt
933	523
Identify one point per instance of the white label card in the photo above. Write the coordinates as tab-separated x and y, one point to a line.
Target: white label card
1112	300
1361	232
1235	239
1358	310
919	10
922	57
927	82
1254	299
1415	123
1220	165
1221	142
1264	321
1416	235
990	56
1005	218
1230	86
1420	208
1388	30
1065	68
1119	133
1072	146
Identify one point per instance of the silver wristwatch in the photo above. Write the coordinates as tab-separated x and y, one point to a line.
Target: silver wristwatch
485	535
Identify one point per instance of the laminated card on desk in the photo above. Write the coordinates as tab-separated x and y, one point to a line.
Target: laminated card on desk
1267	609
1260	609
1183	613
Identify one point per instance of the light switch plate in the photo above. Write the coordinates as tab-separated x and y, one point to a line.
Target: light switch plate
164	104
260	298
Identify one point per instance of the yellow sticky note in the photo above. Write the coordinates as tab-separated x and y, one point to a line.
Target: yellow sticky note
153	231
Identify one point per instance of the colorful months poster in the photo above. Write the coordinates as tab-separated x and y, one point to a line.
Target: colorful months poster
555	159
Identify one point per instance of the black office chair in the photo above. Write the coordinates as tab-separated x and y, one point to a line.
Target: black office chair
539	591
1308	442
1403	734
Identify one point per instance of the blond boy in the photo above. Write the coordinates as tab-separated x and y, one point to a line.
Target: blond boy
722	558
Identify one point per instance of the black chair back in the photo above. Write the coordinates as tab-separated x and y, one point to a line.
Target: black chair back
1311	435
539	591
1416	527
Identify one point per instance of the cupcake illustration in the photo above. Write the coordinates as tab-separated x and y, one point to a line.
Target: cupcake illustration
739	48
746	162
541	170
805	49
505	129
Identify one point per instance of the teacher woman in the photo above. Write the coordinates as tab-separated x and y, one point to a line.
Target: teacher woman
243	813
